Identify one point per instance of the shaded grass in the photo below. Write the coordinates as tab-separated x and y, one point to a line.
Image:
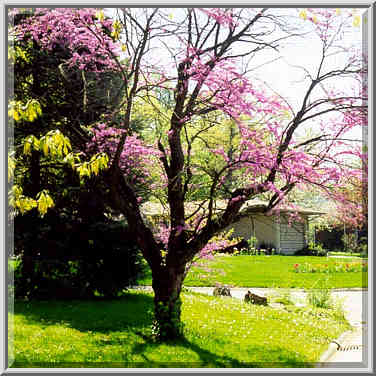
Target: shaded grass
219	332
267	271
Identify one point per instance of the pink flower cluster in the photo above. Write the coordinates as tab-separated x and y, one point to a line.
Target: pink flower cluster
135	156
222	16
213	246
326	21
74	30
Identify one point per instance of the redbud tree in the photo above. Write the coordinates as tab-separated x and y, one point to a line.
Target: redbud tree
189	72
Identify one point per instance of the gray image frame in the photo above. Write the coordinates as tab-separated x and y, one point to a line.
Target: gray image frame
6	231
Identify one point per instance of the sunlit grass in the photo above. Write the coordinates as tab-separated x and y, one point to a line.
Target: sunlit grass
219	332
268	271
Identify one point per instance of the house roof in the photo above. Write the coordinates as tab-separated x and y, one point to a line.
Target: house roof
250	206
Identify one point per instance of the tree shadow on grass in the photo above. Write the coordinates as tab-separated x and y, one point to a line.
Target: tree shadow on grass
209	359
132	311
133	314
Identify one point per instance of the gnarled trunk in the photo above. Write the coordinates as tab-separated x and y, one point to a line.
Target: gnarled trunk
167	283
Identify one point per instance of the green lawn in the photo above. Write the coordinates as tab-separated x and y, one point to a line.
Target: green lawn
219	332
355	254
269	271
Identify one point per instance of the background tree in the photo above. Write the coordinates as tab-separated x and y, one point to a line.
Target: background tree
201	68
70	251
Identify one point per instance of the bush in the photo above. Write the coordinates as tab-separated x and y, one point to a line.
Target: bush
250	249
350	243
362	247
66	259
312	250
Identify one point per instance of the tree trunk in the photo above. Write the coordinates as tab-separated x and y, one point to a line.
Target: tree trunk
167	283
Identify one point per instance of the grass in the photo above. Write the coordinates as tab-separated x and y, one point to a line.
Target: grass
219	332
352	254
267	271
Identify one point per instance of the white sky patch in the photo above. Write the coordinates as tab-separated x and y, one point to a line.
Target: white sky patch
280	70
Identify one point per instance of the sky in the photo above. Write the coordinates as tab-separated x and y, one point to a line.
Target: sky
282	75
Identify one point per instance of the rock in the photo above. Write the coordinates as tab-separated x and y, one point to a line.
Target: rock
221	291
255	299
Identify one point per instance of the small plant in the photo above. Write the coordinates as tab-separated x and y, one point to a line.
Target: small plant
268	248
252	241
320	297
285	298
250	249
247	252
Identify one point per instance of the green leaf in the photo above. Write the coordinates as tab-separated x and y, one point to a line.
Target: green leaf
16	115
45	147
11	167
27	146
44	202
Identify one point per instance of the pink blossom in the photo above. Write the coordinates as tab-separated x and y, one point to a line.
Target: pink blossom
73	30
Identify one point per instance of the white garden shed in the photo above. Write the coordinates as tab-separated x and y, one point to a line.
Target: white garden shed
273	229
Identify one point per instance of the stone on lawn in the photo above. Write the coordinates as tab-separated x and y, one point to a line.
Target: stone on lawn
255	299
221	291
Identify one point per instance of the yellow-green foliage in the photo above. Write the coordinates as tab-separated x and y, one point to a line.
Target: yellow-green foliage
44	202
23	203
53	146
17	52
97	163
11	166
27	112
20	202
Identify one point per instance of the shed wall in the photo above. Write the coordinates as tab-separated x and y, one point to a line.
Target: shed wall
263	227
292	237
270	230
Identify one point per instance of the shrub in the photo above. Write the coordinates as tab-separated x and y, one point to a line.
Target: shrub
312	250
362	247
269	248
350	243
67	259
250	248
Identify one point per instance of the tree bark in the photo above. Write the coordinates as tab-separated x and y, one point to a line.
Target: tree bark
167	283
167	274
